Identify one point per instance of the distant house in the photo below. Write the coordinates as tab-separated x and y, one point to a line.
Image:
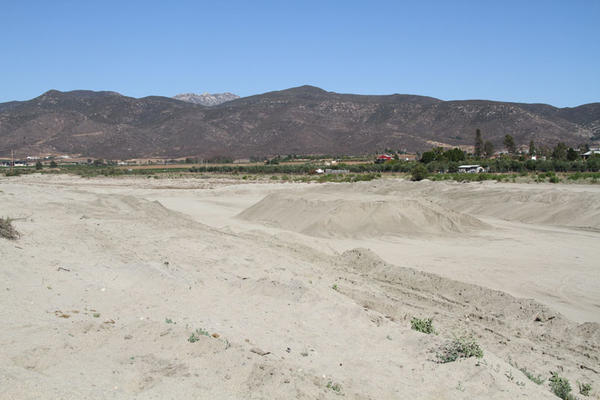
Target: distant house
383	158
471	169
593	151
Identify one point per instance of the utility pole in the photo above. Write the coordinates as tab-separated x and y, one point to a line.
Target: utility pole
12	161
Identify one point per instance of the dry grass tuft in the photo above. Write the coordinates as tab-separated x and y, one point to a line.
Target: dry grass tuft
7	230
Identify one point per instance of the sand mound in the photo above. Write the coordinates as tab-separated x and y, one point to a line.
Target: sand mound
400	292
327	216
561	206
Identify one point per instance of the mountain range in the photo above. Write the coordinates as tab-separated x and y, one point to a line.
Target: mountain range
301	120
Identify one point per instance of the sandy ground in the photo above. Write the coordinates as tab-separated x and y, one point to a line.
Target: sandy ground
297	286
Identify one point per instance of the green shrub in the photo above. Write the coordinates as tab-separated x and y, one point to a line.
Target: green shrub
560	387
576	176
336	387
7	230
584	388
460	347
535	379
18	171
419	172
422	325
195	336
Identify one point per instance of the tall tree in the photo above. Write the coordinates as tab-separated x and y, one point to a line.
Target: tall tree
572	154
509	143
531	148
478	143
488	149
560	151
455	154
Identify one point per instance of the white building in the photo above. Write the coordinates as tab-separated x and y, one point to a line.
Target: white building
471	169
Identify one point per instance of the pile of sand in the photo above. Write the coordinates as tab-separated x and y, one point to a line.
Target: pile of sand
560	206
331	216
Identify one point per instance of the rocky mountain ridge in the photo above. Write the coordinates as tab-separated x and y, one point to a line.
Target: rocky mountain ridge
207	99
301	120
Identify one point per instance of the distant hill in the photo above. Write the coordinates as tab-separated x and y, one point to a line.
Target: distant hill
300	120
207	99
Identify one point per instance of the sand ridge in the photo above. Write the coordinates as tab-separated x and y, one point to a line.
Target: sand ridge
339	217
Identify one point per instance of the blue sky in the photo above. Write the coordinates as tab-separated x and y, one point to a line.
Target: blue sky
526	51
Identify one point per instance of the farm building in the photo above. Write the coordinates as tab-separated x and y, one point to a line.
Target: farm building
471	169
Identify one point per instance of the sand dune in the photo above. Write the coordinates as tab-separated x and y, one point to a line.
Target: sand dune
558	205
325	216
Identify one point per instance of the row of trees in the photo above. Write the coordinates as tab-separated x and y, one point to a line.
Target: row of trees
501	164
485	149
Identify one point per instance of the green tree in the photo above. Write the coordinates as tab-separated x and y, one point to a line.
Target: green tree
455	154
435	154
53	164
531	148
509	143
38	165
419	172
478	144
560	152
572	155
488	149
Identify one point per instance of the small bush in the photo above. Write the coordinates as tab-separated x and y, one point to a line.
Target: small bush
419	172
461	347
195	336
561	387
584	388
422	325
7	230
336	387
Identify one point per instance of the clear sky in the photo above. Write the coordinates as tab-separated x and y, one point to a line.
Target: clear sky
526	51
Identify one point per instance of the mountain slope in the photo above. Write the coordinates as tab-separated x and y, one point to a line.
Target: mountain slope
300	120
